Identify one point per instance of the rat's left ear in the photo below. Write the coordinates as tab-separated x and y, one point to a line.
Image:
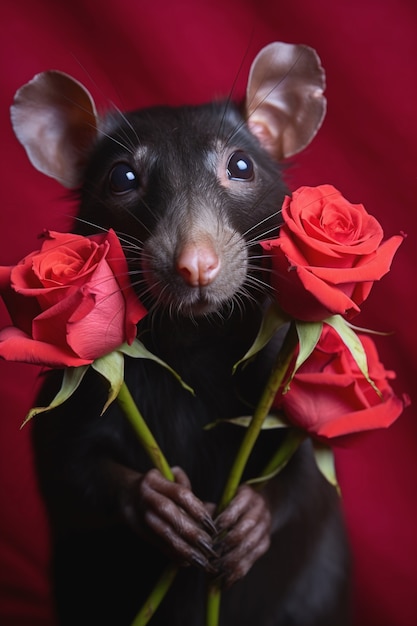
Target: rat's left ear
55	119
285	105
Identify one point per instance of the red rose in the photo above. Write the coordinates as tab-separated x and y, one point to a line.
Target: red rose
328	254
330	397
70	302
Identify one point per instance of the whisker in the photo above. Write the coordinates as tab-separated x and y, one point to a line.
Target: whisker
112	138
265	236
130	125
88	223
258	224
232	89
125	238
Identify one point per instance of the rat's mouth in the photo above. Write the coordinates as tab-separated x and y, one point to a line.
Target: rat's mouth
196	304
179	300
203	306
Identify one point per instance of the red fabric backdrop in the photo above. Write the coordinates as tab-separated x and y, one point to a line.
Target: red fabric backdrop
134	53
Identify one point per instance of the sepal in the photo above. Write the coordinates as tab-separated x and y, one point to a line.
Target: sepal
308	337
270	422
138	351
111	367
353	344
325	462
273	319
70	382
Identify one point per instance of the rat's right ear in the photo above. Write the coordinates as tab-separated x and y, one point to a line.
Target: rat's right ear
55	119
285	104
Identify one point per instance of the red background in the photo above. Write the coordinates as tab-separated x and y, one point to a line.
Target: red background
135	53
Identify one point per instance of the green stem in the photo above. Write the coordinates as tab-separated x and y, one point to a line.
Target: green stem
252	432
154	452
213	605
156	596
145	436
279	460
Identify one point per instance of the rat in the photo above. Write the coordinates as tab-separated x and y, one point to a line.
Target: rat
191	191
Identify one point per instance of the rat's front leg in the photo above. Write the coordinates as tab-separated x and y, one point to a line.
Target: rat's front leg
170	516
244	529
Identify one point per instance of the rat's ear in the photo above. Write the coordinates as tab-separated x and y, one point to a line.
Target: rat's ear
54	118
285	105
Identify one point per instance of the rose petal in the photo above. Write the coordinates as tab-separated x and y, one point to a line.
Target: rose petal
135	310
21	310
5	272
51	325
369	268
306	297
381	416
325	203
329	397
15	345
102	330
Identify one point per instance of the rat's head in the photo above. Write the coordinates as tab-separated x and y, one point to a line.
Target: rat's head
189	190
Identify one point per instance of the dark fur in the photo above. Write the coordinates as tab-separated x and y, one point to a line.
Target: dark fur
102	570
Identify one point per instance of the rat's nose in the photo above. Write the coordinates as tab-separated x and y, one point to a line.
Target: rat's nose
198	264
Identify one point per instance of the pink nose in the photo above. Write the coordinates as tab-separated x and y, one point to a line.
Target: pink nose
198	264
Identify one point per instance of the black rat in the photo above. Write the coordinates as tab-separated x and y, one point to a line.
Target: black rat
190	191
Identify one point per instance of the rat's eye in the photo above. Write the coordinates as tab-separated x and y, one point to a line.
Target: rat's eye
122	178
240	166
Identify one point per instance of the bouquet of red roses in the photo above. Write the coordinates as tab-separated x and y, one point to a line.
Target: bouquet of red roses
72	306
